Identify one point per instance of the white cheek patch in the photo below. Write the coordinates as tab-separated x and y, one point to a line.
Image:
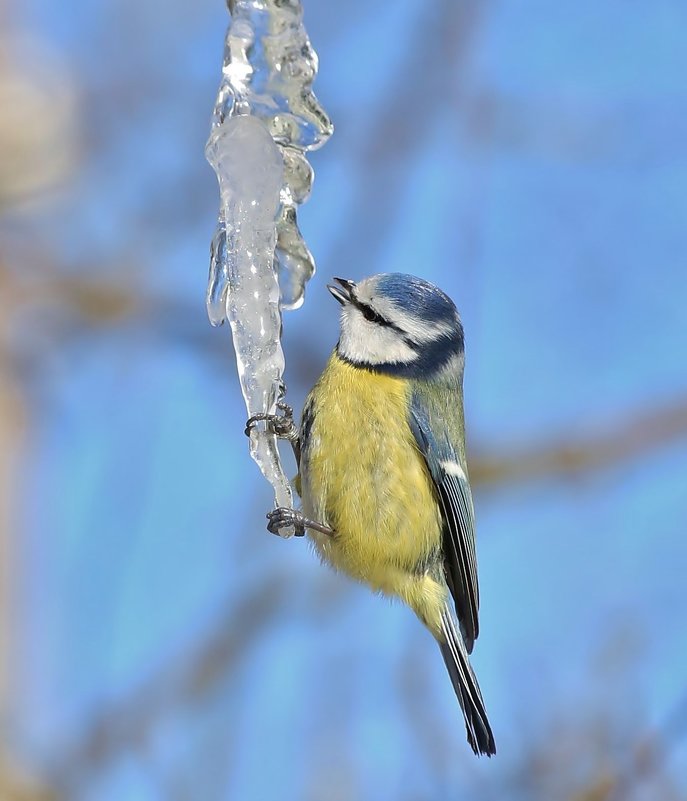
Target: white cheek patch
452	468
365	341
454	367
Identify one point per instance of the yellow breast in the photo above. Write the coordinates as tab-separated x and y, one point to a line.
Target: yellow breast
363	475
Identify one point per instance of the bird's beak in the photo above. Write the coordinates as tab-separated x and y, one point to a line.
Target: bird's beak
343	295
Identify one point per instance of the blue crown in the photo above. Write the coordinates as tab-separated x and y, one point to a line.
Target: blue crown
419	297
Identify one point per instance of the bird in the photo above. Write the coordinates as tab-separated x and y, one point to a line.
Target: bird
382	472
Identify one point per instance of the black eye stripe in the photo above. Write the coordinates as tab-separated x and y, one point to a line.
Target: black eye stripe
374	317
370	314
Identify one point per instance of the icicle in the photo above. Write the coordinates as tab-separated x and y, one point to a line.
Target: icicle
265	118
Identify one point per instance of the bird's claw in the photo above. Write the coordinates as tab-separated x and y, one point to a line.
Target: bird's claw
280	425
282	517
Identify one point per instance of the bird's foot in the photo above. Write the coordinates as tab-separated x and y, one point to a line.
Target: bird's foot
281	517
281	425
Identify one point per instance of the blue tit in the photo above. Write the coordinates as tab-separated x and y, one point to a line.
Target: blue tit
382	472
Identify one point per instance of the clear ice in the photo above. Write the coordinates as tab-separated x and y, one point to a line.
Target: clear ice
265	118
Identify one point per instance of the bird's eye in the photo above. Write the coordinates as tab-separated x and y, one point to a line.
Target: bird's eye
370	314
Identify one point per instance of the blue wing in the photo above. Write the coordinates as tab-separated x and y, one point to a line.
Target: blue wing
453	490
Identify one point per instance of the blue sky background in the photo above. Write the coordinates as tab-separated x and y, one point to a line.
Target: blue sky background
530	160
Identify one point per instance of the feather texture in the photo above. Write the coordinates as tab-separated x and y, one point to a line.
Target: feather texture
467	689
445	459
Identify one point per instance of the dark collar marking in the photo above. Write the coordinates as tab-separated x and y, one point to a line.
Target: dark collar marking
432	358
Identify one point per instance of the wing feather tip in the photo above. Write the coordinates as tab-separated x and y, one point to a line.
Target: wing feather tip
479	733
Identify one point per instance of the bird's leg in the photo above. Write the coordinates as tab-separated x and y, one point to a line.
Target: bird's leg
281	517
281	425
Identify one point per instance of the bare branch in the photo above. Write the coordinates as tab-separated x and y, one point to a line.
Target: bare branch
128	722
600	447
651	754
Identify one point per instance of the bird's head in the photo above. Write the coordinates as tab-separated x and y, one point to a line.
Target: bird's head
399	324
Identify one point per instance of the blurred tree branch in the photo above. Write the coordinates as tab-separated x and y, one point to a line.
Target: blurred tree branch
650	755
187	678
15	785
434	74
129	721
593	756
623	439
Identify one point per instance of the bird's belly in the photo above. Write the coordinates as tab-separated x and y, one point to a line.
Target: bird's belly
364	476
